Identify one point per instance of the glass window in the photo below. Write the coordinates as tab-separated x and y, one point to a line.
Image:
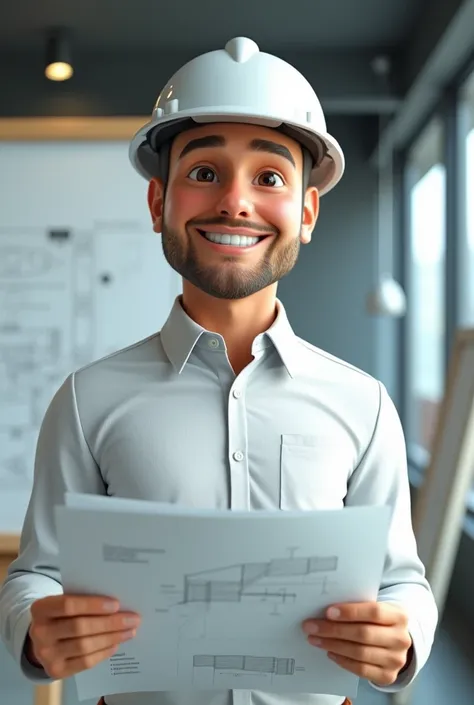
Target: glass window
467	178
466	260
426	291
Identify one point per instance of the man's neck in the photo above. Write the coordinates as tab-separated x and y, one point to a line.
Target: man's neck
239	322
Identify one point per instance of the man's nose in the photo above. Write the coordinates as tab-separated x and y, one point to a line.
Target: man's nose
235	202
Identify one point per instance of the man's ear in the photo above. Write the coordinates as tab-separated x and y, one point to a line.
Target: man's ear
155	203
310	214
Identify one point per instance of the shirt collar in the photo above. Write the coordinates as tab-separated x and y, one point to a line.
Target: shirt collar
180	335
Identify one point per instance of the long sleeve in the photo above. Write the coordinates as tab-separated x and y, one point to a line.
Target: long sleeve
382	478
63	463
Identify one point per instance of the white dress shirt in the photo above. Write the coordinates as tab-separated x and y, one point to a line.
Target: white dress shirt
167	419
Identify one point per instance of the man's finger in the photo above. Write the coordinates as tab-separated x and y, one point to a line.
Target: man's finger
73	648
383	613
58	606
375	674
80	627
373	655
81	663
65	668
358	633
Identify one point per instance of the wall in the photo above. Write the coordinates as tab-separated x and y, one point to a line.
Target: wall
325	294
128	83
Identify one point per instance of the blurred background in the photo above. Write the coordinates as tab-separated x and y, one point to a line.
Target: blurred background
385	284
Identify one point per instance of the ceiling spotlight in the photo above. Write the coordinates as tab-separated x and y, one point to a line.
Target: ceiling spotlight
58	65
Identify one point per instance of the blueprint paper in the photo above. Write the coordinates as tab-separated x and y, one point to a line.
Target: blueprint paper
222	594
124	504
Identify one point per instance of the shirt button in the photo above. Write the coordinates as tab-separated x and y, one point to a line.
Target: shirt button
213	343
236	393
238	456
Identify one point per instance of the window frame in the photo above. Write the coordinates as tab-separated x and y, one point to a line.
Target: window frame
417	456
448	111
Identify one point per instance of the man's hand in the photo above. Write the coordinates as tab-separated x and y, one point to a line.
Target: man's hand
71	633
370	639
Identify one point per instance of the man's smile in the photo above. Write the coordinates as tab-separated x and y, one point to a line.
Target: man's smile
229	240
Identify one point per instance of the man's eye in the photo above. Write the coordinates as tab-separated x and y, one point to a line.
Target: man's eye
203	173
269	178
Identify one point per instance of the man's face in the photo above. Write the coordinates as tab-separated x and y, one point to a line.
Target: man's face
233	219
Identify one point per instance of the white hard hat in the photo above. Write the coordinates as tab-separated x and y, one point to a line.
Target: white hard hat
240	84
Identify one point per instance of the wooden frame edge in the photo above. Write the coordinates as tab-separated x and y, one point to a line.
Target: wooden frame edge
26	129
9	544
462	337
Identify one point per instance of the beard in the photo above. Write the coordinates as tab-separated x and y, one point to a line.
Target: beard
229	279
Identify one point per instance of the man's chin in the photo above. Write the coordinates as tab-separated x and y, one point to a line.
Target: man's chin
231	289
226	293
228	281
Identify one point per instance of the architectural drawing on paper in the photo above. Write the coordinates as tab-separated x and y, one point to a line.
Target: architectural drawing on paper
259	664
206	667
257	580
267	588
266	594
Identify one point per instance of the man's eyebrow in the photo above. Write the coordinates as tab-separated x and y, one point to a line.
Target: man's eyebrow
280	150
202	143
257	145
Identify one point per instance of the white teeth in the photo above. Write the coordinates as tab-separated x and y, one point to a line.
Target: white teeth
234	240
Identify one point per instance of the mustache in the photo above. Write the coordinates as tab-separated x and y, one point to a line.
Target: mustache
234	223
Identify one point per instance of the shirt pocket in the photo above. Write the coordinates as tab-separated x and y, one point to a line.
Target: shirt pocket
313	473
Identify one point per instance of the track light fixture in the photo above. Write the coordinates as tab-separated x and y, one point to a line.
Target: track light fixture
58	63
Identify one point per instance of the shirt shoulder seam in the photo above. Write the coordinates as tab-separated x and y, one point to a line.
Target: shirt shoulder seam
76	406
117	352
376	424
333	358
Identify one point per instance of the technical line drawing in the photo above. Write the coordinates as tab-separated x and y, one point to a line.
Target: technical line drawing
234	583
206	667
268	586
36	346
262	664
50	296
83	301
17	261
259	664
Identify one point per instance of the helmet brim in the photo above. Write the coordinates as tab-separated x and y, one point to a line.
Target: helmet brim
329	160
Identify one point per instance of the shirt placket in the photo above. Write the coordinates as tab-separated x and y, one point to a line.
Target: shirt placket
238	435
238	444
239	469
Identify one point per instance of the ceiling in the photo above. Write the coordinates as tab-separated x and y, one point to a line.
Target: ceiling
200	25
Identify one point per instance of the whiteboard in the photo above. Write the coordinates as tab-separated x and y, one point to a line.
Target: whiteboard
81	275
440	508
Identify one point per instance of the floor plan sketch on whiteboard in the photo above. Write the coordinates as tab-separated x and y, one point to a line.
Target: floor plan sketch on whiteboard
36	351
62	291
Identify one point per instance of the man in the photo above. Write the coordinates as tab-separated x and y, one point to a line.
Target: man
225	407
